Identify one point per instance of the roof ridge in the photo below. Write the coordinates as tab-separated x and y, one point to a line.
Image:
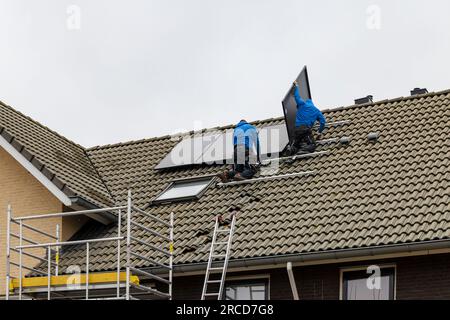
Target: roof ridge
401	98
256	122
41	125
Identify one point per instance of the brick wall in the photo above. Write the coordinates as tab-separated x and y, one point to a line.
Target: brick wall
422	277
27	196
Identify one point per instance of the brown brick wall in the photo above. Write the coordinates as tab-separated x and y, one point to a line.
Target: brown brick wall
27	196
422	277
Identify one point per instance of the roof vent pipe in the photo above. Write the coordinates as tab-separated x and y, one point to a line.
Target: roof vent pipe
368	99
373	136
344	140
418	91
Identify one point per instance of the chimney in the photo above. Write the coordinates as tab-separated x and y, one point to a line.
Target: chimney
368	99
418	91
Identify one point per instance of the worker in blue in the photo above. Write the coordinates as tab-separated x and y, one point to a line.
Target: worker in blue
307	115
246	156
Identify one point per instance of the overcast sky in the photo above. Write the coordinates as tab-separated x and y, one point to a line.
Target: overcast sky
108	71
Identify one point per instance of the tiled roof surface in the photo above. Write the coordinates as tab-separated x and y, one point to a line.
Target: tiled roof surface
65	163
393	191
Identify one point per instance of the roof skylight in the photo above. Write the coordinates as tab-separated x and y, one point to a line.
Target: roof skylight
187	189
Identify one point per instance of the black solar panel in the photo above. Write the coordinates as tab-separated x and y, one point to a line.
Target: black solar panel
289	104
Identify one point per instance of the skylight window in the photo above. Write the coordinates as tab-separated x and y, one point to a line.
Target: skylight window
186	189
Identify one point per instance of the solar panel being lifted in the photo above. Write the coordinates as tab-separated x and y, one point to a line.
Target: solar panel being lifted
289	104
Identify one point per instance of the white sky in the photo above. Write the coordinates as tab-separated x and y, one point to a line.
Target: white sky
138	69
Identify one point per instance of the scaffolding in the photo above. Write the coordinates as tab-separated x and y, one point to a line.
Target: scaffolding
129	281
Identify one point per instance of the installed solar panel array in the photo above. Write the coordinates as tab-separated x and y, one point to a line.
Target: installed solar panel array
217	148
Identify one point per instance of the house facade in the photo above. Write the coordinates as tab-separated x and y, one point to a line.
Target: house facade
367	218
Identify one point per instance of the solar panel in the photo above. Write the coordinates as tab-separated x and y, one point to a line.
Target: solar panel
217	148
273	140
186	152
289	104
207	148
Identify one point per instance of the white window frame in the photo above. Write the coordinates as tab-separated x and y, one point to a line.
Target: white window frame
265	277
362	268
209	179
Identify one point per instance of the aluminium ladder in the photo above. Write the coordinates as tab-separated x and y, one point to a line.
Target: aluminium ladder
221	237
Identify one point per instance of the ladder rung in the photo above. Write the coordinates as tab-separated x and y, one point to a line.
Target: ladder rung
219	255
154	291
214	281
153	232
152	217
149	275
166	253
211	294
223	230
29	268
215	269
151	261
33	256
220	243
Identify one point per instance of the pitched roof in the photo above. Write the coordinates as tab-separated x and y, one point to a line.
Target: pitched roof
365	194
62	161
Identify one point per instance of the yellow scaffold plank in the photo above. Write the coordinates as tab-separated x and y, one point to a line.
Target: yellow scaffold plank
64	280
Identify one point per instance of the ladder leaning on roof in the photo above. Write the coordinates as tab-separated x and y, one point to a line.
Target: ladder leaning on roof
225	240
222	241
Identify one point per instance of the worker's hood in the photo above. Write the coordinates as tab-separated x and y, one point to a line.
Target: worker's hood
241	123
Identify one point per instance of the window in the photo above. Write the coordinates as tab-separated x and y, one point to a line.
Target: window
247	290
186	189
365	284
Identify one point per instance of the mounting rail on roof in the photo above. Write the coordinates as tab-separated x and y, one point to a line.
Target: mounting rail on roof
335	124
296	157
289	175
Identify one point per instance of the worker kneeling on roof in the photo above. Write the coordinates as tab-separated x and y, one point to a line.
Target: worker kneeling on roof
307	115
246	153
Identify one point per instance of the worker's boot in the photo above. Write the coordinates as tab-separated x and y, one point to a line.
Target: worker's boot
223	176
306	148
238	177
290	151
221	220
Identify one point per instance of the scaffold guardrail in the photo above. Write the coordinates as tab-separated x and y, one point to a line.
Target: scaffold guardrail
44	280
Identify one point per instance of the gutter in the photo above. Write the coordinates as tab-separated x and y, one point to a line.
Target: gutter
79	203
315	257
